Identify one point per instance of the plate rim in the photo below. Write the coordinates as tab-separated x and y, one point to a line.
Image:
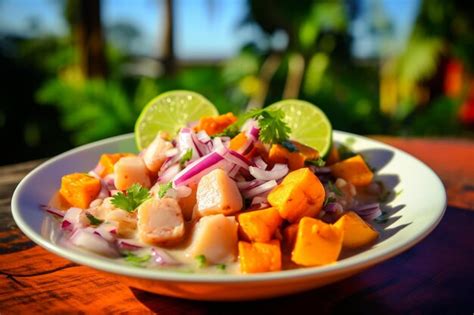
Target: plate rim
344	266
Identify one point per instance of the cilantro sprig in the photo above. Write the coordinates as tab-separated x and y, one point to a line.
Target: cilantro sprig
132	198
319	162
201	261
93	220
164	189
186	157
136	260
273	129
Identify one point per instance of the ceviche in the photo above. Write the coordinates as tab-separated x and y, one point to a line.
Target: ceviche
225	194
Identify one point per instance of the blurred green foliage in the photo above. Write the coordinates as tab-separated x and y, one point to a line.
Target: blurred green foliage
315	64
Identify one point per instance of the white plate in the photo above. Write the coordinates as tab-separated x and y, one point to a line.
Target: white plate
415	211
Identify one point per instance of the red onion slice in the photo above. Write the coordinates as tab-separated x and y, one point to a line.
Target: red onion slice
250	184
237	159
126	244
203	136
168	174
260	189
368	212
52	210
278	171
260	163
197	169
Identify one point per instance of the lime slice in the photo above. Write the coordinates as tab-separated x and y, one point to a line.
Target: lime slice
309	125
169	112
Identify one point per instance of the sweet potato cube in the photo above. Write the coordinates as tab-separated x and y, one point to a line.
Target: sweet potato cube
238	141
300	194
308	152
354	170
357	232
279	154
215	124
259	225
79	189
333	156
259	257
317	243
107	162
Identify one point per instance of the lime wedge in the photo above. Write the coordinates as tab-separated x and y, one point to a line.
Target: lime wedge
169	112
309	125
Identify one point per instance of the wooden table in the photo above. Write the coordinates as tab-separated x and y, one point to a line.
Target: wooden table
435	276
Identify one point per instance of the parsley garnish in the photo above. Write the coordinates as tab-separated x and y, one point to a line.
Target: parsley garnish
164	189
201	261
334	189
272	127
319	162
135	259
132	198
221	267
186	157
93	220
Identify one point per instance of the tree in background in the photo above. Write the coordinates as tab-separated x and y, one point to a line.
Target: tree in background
84	18
431	82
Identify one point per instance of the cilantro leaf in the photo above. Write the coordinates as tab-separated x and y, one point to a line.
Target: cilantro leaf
231	131
319	162
201	261
164	189
132	198
135	259
334	189
221	267
93	220
186	157
272	127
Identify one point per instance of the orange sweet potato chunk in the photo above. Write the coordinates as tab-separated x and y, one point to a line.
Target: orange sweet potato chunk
354	170
317	243
107	162
279	154
333	156
216	124
295	160
259	257
238	141
357	232
259	225
79	189
300	194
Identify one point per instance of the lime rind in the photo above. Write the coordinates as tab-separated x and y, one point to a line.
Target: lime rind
309	125
169	112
